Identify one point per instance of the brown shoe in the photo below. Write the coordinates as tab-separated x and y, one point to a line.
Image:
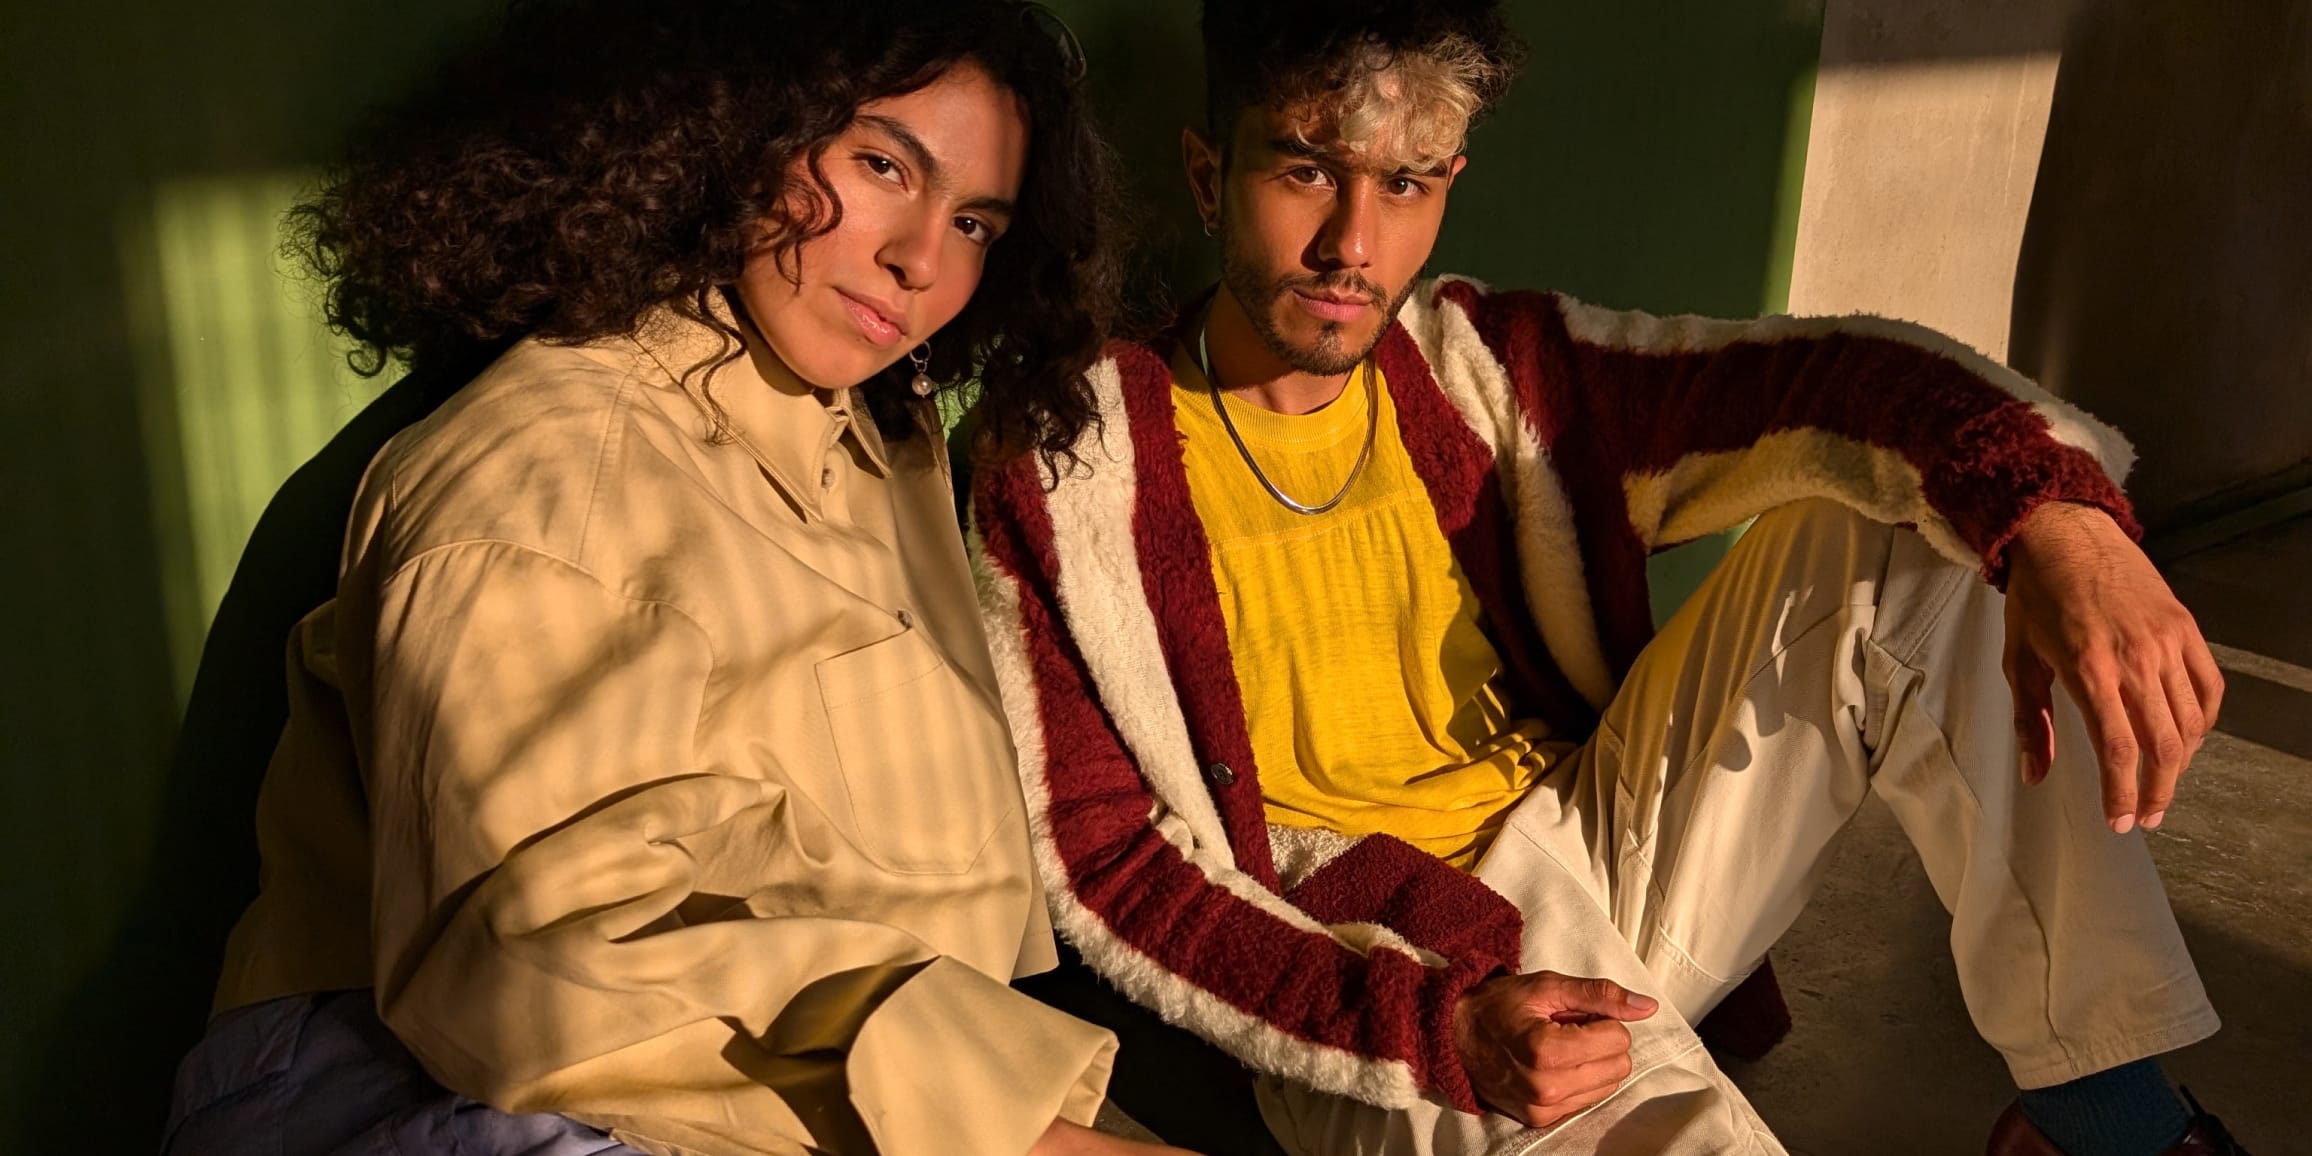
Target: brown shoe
2015	1136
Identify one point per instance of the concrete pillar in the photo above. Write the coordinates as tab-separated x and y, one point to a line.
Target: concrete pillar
2166	275
1928	118
2115	196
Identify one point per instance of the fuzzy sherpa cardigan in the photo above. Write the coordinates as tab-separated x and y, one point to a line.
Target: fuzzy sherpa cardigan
1561	444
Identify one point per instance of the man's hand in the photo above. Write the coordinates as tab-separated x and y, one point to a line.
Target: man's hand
1542	1046
2085	606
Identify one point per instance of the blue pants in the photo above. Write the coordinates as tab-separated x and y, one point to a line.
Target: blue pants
318	1075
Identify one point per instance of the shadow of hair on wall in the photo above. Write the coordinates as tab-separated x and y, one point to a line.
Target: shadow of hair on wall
107	1070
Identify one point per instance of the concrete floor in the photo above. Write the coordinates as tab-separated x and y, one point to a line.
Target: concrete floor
1882	1058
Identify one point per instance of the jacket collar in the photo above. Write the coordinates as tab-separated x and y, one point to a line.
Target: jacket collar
787	424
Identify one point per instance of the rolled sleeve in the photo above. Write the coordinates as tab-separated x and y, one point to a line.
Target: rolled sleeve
954	1062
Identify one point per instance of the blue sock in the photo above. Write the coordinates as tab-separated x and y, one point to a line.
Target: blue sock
2130	1110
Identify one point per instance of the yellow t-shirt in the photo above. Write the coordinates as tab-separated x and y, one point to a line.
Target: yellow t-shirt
1367	677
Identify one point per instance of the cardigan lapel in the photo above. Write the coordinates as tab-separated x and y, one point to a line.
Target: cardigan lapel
1457	467
1102	586
1176	564
1482	353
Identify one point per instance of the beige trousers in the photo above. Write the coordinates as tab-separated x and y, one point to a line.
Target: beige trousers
1827	656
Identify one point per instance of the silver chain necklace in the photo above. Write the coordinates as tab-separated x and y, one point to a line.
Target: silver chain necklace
1372	427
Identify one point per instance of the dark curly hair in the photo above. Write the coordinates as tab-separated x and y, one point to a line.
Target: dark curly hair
1281	53
598	158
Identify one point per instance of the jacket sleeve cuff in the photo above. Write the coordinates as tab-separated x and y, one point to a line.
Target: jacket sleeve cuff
954	1061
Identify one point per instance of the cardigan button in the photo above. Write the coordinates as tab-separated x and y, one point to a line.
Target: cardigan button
1220	774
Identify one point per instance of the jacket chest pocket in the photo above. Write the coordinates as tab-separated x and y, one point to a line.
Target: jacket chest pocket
926	766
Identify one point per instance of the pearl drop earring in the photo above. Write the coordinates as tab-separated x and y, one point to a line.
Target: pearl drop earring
922	383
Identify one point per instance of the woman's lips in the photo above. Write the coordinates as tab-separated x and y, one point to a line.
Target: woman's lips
871	321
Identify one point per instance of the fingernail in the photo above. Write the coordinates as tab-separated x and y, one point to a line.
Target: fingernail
2151	822
2123	824
2023	764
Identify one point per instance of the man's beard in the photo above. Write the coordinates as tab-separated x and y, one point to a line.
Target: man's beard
1331	356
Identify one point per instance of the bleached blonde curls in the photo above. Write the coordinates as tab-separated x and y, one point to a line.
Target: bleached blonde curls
1411	109
1399	82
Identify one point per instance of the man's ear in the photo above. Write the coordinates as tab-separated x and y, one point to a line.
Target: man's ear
1453	170
1201	158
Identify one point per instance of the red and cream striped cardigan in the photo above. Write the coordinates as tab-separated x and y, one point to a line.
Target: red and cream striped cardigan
1561	444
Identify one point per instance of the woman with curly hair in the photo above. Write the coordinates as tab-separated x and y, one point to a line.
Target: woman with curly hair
645	786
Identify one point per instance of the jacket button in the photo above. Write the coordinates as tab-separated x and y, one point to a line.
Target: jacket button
1220	774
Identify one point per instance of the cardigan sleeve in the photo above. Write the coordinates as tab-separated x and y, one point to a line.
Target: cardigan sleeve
1322	995
1702	423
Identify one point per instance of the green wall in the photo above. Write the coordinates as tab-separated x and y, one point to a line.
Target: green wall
109	105
1648	157
1645	160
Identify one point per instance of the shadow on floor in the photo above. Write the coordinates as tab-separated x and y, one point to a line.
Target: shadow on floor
1884	1060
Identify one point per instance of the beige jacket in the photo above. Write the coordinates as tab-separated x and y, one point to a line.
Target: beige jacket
659	779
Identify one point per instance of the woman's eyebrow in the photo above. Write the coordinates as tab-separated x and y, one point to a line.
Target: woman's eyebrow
917	152
922	157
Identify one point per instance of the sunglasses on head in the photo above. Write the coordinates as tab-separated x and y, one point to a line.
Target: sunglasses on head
1062	37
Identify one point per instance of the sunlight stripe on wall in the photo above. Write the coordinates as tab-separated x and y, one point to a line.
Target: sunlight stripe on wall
254	381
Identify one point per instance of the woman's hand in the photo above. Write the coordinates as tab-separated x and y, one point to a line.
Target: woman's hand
1066	1139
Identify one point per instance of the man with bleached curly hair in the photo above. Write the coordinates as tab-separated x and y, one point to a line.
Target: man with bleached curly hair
1349	741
